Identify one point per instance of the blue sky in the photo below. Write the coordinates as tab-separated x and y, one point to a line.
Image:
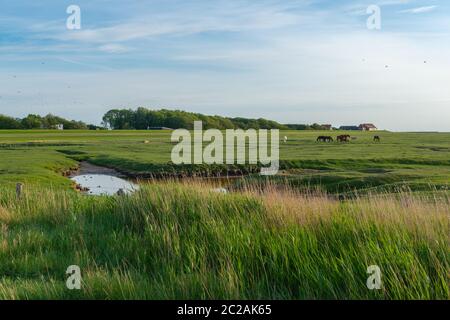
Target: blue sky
294	61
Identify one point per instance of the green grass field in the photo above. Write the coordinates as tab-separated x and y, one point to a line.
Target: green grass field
415	159
179	240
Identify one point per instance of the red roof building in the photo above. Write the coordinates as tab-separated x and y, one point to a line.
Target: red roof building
367	127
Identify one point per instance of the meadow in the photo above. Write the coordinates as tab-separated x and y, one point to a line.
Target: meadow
182	241
417	160
287	238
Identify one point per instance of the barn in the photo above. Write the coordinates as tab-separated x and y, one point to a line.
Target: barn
367	127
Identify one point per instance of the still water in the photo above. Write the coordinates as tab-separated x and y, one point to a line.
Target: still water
101	184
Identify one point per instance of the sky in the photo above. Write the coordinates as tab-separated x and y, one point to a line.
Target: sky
293	61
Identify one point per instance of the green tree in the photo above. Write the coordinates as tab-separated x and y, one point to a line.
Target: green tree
9	123
32	121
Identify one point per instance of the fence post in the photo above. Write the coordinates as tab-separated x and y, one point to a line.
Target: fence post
19	189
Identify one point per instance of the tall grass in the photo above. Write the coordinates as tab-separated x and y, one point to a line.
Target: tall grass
183	241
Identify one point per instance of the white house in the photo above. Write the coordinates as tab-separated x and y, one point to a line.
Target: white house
367	127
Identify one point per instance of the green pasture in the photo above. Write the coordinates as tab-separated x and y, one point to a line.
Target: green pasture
418	160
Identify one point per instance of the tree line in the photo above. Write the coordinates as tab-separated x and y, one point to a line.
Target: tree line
33	121
143	118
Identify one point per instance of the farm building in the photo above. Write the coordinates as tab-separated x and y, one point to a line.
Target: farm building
327	126
361	127
367	127
349	128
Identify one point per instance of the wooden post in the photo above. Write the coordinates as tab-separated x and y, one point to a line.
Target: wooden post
19	188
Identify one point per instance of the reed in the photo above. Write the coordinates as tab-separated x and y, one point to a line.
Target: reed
182	240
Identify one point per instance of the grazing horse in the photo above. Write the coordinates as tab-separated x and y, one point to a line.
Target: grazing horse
377	139
325	139
344	138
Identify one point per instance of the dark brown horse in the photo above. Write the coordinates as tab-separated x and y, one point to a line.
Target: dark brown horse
325	139
344	138
377	139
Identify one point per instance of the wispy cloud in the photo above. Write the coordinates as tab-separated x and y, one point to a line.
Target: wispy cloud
360	8
83	64
290	60
219	18
114	48
420	9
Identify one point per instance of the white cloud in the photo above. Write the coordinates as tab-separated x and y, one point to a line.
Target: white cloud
288	65
84	64
232	18
289	79
114	48
360	9
420	9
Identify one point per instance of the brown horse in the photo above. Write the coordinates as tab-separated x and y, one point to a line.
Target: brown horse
344	138
325	139
377	139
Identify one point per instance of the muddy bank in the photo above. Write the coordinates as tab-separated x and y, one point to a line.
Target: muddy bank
86	168
166	171
169	170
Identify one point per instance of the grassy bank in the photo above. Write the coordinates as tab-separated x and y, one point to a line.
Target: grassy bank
182	241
